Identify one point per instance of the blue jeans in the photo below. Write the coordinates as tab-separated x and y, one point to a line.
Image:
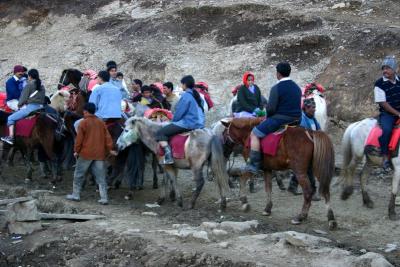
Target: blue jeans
22	113
269	126
387	122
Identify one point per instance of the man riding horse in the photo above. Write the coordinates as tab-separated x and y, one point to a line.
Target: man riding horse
284	107
387	96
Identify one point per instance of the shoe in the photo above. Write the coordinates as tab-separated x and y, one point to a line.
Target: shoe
387	165
103	201
294	191
73	197
168	159
103	194
254	164
8	140
316	197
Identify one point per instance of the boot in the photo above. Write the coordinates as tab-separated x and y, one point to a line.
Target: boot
293	184
254	164
103	194
386	164
168	159
75	196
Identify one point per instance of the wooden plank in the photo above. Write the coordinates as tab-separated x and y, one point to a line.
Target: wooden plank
13	200
74	217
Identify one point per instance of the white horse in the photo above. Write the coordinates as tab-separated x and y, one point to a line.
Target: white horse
353	148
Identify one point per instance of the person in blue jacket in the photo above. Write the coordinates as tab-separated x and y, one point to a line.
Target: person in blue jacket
14	87
189	115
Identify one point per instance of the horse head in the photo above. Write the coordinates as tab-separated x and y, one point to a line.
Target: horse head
59	101
238	130
70	76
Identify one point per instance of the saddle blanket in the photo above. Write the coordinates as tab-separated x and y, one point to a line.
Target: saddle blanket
270	143
376	132
25	126
177	143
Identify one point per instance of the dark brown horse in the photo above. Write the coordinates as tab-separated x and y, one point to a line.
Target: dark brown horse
298	150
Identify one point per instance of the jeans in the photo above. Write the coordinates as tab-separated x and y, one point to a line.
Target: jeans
387	122
98	170
269	126
22	113
168	131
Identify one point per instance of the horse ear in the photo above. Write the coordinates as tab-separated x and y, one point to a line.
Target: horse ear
226	122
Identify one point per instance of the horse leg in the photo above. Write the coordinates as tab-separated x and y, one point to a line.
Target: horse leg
163	189
268	191
10	158
174	192
242	188
363	181
199	179
307	196
27	158
395	187
155	165
348	180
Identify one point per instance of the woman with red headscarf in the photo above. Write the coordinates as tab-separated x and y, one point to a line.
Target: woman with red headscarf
248	97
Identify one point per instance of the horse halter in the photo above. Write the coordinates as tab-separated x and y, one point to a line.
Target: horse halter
227	137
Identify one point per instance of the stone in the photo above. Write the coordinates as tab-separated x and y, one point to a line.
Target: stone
372	259
23	211
300	239
149	213
339	5
24	228
209	225
219	232
224	244
239	226
390	248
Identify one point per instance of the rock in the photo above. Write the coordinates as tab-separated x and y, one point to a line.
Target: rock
390	248
219	232
24	228
209	225
301	240
397	201
224	244
338	5
320	232
201	235
155	205
149	213
372	259
23	211
177	226
239	226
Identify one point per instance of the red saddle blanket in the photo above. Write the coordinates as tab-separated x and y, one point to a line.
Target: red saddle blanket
25	126
270	143
177	144
376	132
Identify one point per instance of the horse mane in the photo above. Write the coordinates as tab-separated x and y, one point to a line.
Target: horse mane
246	123
59	100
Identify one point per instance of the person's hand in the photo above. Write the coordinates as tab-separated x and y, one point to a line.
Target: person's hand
113	153
76	154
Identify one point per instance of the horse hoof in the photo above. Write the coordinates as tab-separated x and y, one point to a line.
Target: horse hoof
246	207
347	192
160	200
266	213
333	225
369	204
296	221
155	186
172	196
394	217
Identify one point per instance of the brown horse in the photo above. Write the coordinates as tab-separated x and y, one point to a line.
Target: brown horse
298	149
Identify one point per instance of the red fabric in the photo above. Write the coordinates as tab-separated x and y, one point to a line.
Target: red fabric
3	102
202	85
270	144
310	86
177	144
376	132
246	76
25	126
207	97
150	112
91	84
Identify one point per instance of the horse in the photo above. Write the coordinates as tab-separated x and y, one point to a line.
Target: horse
297	150
70	76
354	151
201	147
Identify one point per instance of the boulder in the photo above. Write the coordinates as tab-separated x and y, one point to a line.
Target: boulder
23	211
239	227
372	259
24	228
300	239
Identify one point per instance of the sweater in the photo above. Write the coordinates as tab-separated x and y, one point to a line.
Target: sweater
13	88
93	141
107	99
247	101
285	100
307	122
188	114
30	96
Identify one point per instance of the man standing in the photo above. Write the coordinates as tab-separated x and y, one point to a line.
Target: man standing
113	71
387	96
14	87
284	106
308	121
93	143
171	97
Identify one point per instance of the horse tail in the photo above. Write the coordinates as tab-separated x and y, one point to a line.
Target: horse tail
347	151
323	161
218	165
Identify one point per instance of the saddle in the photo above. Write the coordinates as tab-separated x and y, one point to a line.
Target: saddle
24	127
177	144
372	142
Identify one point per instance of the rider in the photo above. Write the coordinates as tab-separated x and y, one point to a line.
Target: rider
308	121
14	87
32	98
189	115
112	70
387	96
248	97
284	106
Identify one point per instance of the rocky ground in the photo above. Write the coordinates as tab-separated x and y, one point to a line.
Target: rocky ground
336	42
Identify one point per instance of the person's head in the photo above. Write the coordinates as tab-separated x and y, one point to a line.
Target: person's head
250	80
187	82
33	74
112	70
111	63
309	107
120	76
137	85
89	108
103	77
19	70
389	67
283	70
146	91
168	87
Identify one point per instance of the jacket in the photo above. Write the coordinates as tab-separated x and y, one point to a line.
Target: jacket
285	100
107	99
93	141
306	122
248	101
13	88
188	114
30	96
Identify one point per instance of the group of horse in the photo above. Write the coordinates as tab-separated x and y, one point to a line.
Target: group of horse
298	149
